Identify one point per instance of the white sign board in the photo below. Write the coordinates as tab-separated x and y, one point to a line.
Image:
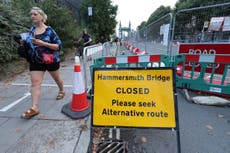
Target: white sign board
216	23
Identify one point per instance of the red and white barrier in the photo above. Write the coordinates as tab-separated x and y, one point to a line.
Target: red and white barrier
132	59
210	58
220	59
135	50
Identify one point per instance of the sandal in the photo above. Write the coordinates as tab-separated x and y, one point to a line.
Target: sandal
60	95
29	113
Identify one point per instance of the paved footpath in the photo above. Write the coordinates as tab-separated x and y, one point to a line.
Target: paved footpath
50	131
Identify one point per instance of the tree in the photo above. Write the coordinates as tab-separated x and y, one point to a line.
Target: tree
12	22
142	25
15	19
185	4
103	20
58	15
161	11
62	20
145	27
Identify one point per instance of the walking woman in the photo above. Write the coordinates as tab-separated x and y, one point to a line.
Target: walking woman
44	46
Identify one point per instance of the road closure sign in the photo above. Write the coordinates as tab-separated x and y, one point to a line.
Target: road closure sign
133	97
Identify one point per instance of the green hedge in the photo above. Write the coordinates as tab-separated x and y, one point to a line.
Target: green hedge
15	19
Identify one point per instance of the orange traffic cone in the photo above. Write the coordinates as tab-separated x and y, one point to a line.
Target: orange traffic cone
79	107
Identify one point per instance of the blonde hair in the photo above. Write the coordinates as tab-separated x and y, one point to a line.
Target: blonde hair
40	11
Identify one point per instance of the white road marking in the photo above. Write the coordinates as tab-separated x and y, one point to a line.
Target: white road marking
43	85
4	109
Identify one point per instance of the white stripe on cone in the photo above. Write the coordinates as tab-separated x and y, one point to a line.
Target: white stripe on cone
78	83
79	87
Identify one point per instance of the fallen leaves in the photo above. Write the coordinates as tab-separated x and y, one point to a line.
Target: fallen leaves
143	139
97	138
84	127
98	132
209	127
228	133
42	116
52	143
220	116
17	130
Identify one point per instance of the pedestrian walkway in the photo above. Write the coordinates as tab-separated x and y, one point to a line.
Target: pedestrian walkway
50	131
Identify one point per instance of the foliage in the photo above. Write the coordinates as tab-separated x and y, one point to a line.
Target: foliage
180	4
161	11
12	22
103	21
142	25
185	4
15	19
61	19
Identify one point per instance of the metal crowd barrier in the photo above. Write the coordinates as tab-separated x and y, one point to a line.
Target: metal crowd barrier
110	49
90	53
197	72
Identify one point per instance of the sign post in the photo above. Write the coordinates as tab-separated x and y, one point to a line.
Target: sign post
134	97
